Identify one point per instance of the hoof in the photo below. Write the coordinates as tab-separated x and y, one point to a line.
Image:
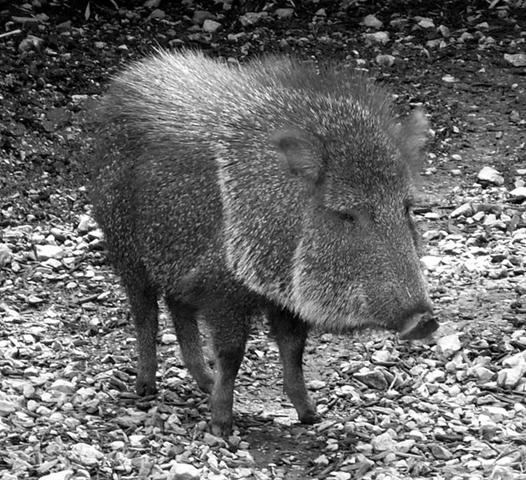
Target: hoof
221	429
309	418
145	389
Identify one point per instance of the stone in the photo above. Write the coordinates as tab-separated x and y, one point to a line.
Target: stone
184	471
86	224
381	356
211	26
510	377
436	376
444	31
6	255
7	407
425	22
449	344
385	60
519	359
466	209
252	18
316	384
372	378
430	262
378	37
384	442
440	452
85	454
518	194
372	21
63	386
168	339
516	59
45	252
283	13
212	440
490	175
482	373
62	475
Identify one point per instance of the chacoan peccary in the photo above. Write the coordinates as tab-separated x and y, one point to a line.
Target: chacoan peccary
272	187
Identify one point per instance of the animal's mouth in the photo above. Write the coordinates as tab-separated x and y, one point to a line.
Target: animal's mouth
418	326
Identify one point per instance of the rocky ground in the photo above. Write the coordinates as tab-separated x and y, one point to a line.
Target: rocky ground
450	408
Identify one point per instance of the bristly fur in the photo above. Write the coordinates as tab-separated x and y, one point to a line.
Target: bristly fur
274	186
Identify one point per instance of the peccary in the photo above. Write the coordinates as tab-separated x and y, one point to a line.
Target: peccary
273	187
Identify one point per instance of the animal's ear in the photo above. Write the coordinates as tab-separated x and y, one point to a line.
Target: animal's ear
300	151
412	135
415	131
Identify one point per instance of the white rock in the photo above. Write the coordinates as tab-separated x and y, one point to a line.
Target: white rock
466	209
251	18
86	223
61	385
384	442
516	59
62	475
283	13
465	37
482	373
426	23
518	193
490	175
340	476
379	37
184	471
52	263
347	391
84	394
495	413
7	407
431	262
449	344
45	252
316	384
519	359
405	445
86	455
372	21
385	60
168	338
381	356
212	440
211	26
136	440
490	219
510	377
321	460
444	31
449	78
6	255
436	376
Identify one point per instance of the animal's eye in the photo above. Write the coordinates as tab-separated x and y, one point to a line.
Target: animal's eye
349	217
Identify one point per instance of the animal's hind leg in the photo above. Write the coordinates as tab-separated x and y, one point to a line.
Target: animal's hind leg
229	325
143	300
184	318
